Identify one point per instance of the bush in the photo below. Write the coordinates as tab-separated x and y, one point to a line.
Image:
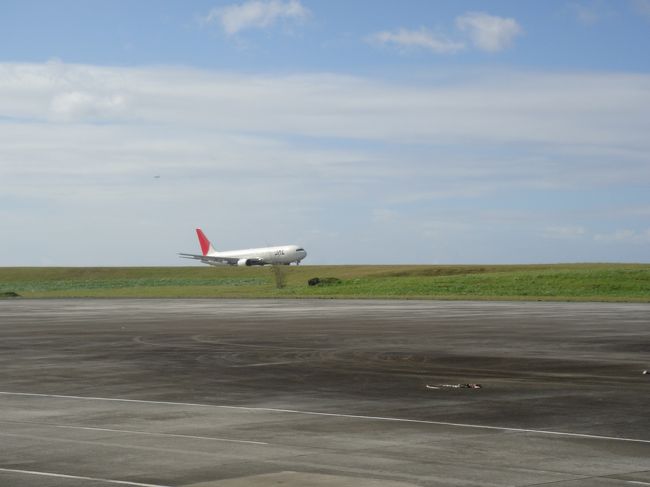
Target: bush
325	281
9	294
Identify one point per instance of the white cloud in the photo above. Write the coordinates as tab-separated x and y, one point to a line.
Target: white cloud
421	38
587	15
385	216
486	32
80	105
625	236
564	232
642	7
256	14
489	32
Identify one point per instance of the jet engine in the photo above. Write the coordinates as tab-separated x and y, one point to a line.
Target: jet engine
249	262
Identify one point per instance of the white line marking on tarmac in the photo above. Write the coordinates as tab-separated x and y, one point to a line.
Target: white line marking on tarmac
334	415
77	477
264	364
135	432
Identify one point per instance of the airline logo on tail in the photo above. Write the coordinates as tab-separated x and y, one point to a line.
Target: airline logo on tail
283	254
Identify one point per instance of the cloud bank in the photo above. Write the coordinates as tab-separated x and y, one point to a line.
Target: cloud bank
313	158
579	110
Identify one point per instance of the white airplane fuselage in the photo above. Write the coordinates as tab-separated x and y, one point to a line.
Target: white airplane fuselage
284	254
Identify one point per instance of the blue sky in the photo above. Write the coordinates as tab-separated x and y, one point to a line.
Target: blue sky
369	132
559	34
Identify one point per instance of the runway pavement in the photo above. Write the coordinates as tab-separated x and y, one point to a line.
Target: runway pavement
220	393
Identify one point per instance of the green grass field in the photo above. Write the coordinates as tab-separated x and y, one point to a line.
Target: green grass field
575	282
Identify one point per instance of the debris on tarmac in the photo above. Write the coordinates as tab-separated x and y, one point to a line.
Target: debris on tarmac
455	386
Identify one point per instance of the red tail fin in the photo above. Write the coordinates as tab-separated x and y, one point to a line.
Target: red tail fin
203	240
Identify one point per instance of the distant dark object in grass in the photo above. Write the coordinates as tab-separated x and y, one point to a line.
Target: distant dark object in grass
325	281
9	294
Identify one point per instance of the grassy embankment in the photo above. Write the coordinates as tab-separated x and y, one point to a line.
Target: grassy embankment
576	282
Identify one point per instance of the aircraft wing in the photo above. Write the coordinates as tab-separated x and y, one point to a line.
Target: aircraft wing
207	259
212	260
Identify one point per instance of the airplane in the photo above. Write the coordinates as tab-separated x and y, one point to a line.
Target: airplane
285	254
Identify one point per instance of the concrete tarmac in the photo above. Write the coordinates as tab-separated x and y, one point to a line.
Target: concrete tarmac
229	393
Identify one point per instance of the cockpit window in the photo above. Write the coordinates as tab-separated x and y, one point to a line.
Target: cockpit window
300	250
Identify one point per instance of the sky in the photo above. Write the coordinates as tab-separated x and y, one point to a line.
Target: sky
369	132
